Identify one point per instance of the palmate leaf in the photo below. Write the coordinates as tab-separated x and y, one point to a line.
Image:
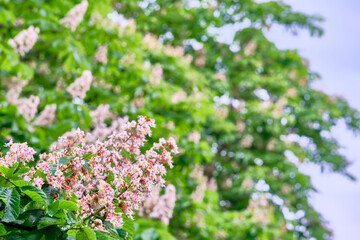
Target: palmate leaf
11	199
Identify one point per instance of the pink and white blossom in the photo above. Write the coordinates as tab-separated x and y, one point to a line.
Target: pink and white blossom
81	85
83	170
75	16
25	40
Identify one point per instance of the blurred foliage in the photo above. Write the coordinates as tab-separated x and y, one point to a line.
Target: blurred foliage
252	104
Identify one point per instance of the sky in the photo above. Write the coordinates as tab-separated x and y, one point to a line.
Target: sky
336	57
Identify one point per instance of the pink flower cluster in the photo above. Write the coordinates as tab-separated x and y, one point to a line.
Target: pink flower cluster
178	97
250	48
100	115
75	15
150	42
101	55
81	85
109	178
100	132
194	137
14	85
17	151
28	107
160	207
204	183
156	75
25	40
47	116
174	51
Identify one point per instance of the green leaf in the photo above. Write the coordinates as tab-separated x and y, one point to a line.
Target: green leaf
165	235
104	236
34	235
64	204
6	171
53	168
122	233
53	208
11	199
34	196
35	193
69	63
71	234
128	227
21	183
53	233
30	218
48	221
61	204
86	234
63	160
70	217
32	205
21	170
91	235
81	235
149	234
2	229
3	181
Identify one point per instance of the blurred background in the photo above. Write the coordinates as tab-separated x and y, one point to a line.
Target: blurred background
336	57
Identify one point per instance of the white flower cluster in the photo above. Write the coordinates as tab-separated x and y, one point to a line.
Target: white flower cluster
25	40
